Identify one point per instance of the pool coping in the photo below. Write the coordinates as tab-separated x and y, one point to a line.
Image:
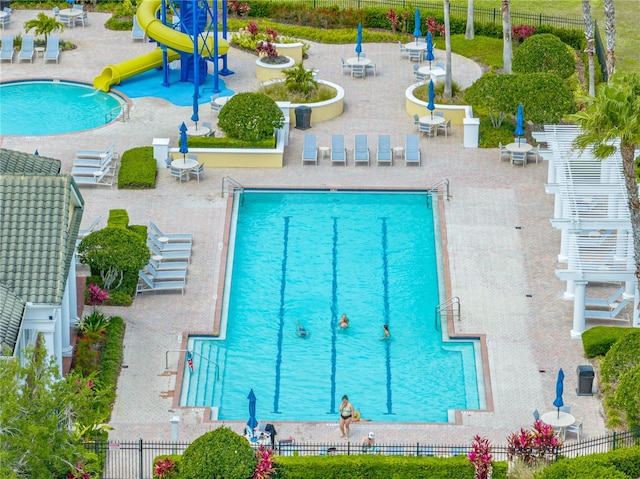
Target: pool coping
217	321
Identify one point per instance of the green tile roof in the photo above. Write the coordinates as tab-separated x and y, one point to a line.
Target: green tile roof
39	221
16	162
11	313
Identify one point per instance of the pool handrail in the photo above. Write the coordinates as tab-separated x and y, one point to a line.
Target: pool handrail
228	181
122	112
166	359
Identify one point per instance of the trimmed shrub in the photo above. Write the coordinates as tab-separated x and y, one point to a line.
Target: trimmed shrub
598	340
224	142
621	463
219	453
627	396
622	356
544	53
250	116
118	218
138	169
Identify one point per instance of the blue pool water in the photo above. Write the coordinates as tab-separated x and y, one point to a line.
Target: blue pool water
310	257
51	107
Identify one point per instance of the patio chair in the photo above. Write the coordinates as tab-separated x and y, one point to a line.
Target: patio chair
575	428
26	52
169	255
504	153
384	155
536	415
446	126
419	76
361	150
168	266
517	157
338	151
146	284
440	65
412	150
52	53
566	409
166	275
137	33
197	171
96	154
416	121
403	49
5	19
207	124
56	13
371	67
426	128
345	66
358	71
178	173
310	150
534	154
6	53
83	18
415	55
66	20
163	244
98	179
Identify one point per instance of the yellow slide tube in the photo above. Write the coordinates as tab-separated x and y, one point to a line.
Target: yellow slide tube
155	29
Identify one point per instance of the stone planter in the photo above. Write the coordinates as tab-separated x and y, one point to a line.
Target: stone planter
267	71
323	110
291	50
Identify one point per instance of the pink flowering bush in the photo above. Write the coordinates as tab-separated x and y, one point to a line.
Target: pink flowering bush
164	469
265	467
252	28
522	32
434	27
97	295
533	446
481	458
393	18
78	473
238	9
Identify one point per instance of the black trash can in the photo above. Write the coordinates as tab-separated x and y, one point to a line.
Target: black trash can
585	380
303	117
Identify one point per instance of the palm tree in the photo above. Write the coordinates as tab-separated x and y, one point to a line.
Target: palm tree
588	33
507	51
447	43
610	122
610	36
43	25
469	33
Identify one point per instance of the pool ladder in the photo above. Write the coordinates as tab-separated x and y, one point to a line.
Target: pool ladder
229	183
443	182
450	308
166	359
121	111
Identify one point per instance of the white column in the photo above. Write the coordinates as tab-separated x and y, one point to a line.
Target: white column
73	295
636	313
57	337
551	172
579	322
161	151
65	333
562	257
557	206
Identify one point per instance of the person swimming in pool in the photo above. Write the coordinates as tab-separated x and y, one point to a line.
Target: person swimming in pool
344	322
346	414
300	330
385	332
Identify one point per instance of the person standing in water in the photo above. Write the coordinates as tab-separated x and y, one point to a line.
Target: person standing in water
344	322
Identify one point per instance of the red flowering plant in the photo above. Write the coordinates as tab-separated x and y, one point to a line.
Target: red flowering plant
265	467
434	27
522	32
97	295
481	458
164	469
270	53
533	446
78	473
239	9
392	16
271	34
252	28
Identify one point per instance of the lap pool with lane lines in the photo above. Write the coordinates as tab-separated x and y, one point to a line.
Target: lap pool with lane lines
310	257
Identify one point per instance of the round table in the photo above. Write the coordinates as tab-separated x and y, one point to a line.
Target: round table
431	120
397	151
358	61
199	131
558	420
221	100
415	46
324	151
184	165
519	147
72	13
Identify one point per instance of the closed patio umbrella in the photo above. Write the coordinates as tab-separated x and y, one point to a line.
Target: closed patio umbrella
195	117
416	30
519	123
559	390
359	41
252	422
432	96
184	147
430	57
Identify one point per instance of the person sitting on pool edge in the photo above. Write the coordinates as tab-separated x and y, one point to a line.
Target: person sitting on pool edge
300	331
369	444
344	322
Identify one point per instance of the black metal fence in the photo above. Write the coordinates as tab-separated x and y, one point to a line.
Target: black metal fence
134	459
481	15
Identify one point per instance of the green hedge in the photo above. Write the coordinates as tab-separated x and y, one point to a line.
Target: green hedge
225	142
118	218
618	464
598	340
138	169
378	467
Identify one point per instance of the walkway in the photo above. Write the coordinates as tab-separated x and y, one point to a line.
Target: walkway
502	248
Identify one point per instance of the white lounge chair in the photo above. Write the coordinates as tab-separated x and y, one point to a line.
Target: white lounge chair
7	51
169	255
52	53
338	151
137	33
26	51
96	154
147	284
101	179
412	150
166	246
384	155
518	157
361	150
166	275
309	149
171	237
169	265
84	232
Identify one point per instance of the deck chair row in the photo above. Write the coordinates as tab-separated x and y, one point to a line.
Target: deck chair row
361	151
27	50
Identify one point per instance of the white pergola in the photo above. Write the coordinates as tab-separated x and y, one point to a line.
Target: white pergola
592	213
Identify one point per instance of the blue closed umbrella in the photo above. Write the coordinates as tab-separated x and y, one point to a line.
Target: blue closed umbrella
416	31
559	390
519	123
36	153
195	117
432	96
184	148
252	422
359	41
430	56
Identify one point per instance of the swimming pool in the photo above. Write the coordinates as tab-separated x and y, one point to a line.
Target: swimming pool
48	107
309	257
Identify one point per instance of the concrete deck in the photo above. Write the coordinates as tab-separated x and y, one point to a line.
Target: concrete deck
501	246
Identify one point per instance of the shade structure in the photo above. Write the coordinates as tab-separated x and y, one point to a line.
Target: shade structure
519	122
559	390
252	422
184	147
194	117
432	96
416	31
430	57
359	41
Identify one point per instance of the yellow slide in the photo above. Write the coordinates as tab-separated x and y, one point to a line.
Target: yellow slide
155	29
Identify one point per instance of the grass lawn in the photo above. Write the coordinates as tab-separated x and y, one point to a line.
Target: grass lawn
627	52
481	49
